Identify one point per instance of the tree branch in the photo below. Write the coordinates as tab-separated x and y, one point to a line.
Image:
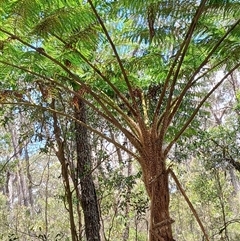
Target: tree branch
197	109
99	98
177	63
135	105
180	54
74	119
205	61
188	202
118	93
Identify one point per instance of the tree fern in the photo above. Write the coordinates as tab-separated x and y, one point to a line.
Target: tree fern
144	70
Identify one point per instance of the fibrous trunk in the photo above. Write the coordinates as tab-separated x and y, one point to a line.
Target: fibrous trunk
155	177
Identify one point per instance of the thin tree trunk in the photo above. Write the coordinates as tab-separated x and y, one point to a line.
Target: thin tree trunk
234	180
78	204
29	177
88	193
46	201
127	207
60	153
9	188
21	185
222	204
21	180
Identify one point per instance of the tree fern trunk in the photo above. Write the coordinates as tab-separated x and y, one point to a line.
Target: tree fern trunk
88	193
155	177
160	221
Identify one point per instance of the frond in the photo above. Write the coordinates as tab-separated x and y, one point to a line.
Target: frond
24	13
226	7
157	19
76	27
64	20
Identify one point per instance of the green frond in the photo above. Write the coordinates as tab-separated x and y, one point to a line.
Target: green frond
76	26
24	14
227	7
64	20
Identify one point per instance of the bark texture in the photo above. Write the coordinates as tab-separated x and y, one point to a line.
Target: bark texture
155	175
88	194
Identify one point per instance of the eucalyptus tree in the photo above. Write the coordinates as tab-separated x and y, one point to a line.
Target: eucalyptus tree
15	149
143	67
